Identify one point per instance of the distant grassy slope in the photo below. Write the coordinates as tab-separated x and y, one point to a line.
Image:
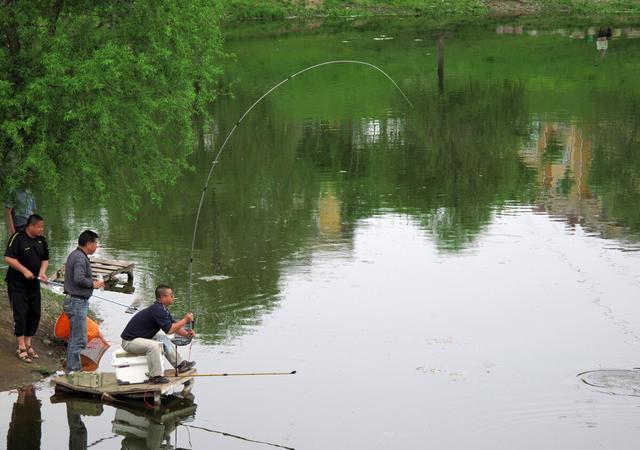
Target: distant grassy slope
280	9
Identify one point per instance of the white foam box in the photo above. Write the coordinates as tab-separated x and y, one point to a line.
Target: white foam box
130	369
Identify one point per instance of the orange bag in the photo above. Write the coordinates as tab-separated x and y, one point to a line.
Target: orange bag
62	329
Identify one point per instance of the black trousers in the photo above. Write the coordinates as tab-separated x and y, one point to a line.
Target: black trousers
25	304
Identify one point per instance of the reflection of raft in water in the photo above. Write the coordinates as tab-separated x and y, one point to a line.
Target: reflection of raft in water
614	382
140	426
105	386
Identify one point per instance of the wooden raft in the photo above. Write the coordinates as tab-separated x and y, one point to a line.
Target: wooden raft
110	389
109	269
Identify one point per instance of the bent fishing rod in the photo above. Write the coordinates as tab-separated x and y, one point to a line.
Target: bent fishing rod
217	157
130	308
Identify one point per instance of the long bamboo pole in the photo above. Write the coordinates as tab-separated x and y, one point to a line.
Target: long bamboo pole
235	374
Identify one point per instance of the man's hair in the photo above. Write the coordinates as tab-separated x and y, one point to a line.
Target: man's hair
161	290
87	236
34	219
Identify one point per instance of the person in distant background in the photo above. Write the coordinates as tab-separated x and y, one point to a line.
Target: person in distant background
602	41
27	255
19	204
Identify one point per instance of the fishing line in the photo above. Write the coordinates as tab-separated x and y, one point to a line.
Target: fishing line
242	438
130	308
215	160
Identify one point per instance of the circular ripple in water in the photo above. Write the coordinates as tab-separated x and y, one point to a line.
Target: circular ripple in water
616	382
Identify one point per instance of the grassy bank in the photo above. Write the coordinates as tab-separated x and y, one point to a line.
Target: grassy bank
281	9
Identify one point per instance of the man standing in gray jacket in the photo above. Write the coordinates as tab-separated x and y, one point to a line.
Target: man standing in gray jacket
79	286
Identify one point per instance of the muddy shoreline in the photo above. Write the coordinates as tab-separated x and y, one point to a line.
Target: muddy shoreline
16	372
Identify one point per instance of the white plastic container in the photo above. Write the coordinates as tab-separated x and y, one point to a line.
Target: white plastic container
131	369
101	278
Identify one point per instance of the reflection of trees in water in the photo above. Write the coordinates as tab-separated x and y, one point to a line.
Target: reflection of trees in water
464	162
450	165
588	173
460	158
615	168
286	179
458	165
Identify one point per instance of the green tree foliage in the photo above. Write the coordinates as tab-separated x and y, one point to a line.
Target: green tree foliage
101	95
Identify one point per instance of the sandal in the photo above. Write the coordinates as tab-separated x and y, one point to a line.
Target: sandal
32	353
23	355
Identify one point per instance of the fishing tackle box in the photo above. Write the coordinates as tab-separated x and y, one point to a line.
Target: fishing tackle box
86	379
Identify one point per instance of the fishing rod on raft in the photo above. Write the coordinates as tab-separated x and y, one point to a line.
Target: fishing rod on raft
130	308
237	374
224	143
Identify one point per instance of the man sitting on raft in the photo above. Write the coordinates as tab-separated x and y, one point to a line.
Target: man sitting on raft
142	335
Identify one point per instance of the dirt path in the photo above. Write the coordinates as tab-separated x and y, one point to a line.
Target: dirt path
16	372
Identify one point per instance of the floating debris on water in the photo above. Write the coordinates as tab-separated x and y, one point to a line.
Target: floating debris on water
214	278
614	382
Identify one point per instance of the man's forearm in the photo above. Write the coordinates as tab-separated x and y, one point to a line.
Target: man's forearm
43	267
177	326
8	217
14	263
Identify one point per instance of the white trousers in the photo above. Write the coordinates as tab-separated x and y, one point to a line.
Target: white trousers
153	349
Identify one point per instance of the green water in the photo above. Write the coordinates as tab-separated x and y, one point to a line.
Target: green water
416	264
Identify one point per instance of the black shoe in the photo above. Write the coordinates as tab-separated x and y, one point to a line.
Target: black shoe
186	366
158	380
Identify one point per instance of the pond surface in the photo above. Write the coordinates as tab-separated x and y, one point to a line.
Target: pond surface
437	275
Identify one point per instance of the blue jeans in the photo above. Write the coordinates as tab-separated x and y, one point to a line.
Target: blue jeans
76	310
